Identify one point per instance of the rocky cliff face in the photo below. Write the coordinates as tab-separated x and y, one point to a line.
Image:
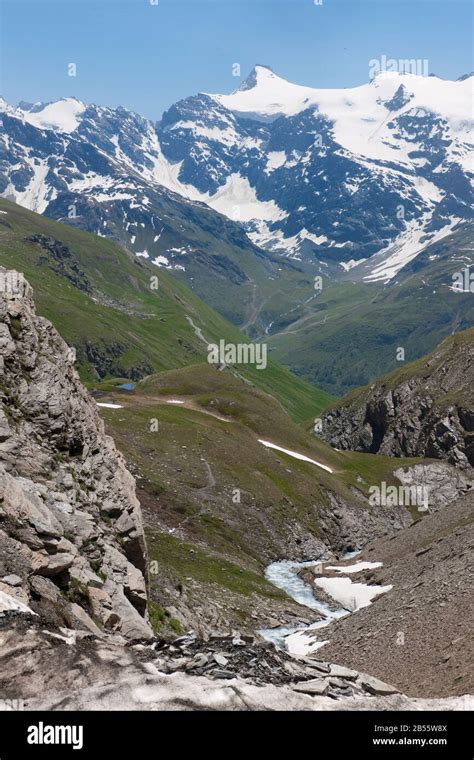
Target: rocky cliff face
425	410
72	547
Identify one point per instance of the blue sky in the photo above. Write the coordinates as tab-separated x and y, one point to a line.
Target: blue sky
145	57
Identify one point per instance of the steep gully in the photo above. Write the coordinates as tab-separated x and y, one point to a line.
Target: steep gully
284	575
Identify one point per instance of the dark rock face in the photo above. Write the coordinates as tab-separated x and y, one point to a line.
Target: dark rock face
71	534
60	260
400	99
427	412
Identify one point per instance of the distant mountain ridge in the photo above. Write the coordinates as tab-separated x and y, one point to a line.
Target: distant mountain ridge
327	177
331	175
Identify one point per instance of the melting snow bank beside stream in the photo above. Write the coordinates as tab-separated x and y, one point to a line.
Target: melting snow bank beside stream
351	596
347	569
284	575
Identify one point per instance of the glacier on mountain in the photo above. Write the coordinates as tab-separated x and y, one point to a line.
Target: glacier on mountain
357	179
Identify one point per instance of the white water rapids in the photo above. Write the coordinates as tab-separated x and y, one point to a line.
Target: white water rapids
284	575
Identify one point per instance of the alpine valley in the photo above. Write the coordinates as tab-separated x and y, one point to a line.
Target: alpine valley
177	534
248	197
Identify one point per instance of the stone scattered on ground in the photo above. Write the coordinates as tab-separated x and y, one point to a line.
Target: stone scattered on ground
73	670
236	656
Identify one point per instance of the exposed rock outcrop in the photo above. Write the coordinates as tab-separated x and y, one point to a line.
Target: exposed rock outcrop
72	546
441	483
426	409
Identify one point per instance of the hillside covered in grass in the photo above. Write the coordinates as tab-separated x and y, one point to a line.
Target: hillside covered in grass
349	334
219	505
124	322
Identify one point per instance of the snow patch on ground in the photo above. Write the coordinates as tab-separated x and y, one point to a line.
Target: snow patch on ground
276	158
237	199
8	602
35	197
352	596
276	240
388	262
348	569
161	261
348	265
227	135
301	644
294	454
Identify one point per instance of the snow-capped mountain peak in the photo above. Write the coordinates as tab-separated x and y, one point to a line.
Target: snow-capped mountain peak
257	77
326	157
62	115
4	105
328	176
267	95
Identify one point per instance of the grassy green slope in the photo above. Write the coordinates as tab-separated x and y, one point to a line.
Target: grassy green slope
220	420
350	333
99	298
190	460
422	369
